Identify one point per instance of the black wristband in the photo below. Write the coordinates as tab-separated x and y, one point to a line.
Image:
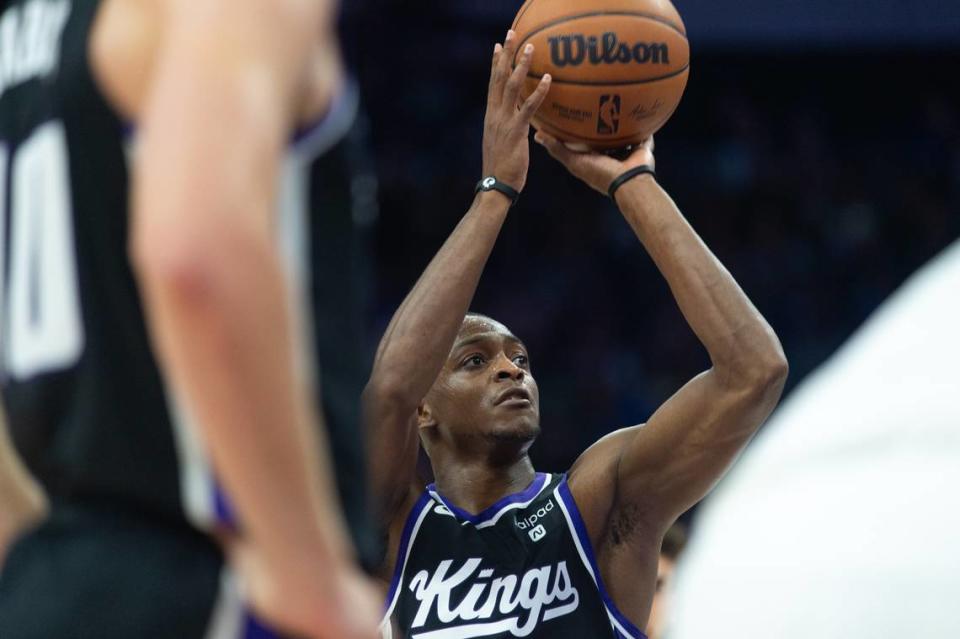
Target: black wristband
491	183
629	175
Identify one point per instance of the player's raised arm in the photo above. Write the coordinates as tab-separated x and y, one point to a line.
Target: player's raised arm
228	83
22	501
422	331
669	464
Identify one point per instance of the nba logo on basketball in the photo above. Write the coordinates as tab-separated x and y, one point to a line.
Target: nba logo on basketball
608	115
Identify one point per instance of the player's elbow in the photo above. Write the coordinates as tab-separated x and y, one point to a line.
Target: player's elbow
388	394
774	372
171	261
759	370
189	265
767	371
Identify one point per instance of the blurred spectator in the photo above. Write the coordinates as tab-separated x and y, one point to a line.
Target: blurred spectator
673	544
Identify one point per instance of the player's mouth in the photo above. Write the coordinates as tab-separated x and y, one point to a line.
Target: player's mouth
514	397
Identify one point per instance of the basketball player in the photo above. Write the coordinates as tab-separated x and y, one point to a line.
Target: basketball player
494	548
187	110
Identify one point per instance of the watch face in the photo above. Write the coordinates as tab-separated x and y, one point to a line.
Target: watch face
489	182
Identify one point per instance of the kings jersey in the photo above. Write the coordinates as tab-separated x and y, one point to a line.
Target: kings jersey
522	568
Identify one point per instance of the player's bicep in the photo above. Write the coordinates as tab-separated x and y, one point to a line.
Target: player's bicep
687	445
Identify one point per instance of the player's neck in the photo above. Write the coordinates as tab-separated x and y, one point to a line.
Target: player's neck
475	486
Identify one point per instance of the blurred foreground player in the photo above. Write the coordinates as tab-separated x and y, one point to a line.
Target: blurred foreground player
841	521
215	91
494	548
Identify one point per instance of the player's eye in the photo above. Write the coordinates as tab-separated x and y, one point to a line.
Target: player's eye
473	361
521	361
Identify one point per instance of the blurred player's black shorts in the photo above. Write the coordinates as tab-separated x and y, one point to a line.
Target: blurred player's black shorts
95	573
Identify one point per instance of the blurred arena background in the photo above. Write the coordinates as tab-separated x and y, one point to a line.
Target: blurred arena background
817	151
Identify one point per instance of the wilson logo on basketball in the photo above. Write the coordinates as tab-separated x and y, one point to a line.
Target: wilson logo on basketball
573	50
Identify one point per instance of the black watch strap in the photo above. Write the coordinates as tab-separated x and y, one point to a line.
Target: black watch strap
491	183
629	175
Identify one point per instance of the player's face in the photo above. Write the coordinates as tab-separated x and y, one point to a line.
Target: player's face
485	388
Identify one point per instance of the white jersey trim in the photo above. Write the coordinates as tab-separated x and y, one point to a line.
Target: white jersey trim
612	614
386	630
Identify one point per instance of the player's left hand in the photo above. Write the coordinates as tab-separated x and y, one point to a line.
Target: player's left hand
506	127
598	170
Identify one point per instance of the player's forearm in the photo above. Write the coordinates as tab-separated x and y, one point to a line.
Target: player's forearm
423	329
742	346
228	352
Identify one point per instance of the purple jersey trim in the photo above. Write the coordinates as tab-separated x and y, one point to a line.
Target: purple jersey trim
253	629
526	495
581	530
403	549
222	508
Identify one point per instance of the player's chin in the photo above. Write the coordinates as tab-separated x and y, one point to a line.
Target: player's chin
525	427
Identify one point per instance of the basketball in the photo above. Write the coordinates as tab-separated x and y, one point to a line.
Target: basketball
619	67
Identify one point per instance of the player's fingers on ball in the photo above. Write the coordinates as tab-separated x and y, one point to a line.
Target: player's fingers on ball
500	68
552	145
511	91
505	59
532	103
495	71
509	49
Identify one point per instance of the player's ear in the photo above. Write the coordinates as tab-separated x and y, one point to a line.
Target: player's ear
425	418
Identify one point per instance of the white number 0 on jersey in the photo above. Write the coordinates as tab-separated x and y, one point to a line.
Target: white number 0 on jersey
39	309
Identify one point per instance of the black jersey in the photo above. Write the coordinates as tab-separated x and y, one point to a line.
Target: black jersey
87	407
522	568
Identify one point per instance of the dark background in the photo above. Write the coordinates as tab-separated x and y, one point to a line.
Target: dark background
815	151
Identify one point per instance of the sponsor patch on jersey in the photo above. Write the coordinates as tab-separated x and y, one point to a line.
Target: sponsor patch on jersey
529	521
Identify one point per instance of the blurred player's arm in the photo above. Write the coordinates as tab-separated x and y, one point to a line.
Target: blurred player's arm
659	470
228	82
422	331
22	500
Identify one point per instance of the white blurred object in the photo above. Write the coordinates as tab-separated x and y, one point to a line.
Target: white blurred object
842	521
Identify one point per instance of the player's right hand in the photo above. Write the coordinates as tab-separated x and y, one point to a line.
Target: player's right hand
302	598
506	149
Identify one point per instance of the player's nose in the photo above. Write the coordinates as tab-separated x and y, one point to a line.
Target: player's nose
507	369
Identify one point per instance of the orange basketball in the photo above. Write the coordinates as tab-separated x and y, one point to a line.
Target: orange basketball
619	67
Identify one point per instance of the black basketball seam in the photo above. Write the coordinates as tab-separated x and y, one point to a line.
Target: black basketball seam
591	14
588	83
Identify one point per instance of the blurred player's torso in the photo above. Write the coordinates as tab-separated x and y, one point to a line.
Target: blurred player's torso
522	568
87	407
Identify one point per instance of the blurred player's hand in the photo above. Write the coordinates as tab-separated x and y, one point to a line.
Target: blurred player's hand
598	170
299	597
506	128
